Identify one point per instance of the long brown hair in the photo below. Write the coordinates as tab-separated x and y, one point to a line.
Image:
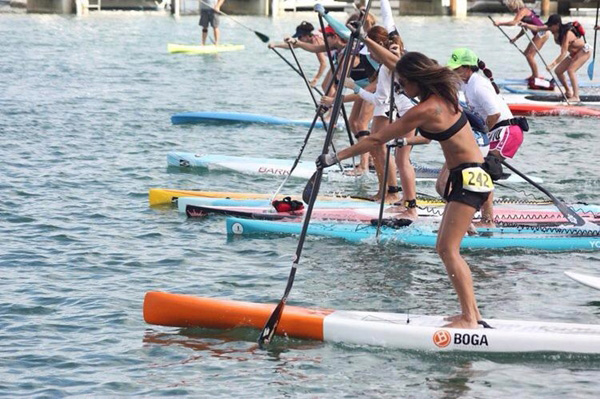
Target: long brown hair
430	77
379	34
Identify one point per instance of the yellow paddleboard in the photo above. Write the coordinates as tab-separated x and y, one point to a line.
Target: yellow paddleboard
208	49
159	196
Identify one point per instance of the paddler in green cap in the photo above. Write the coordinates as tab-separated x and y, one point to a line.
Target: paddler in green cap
504	130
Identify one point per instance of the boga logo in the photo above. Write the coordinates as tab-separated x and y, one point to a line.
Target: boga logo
441	338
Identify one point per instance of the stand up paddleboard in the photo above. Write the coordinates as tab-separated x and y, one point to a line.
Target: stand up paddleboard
241	118
553	239
207	49
363	214
590	281
524	82
392	330
281	167
549	109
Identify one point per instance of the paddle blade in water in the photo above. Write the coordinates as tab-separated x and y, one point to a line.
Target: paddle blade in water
591	70
308	189
271	326
262	37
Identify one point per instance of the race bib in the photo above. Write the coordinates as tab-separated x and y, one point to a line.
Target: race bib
477	180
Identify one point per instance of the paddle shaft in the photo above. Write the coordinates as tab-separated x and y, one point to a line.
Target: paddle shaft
271	326
537	50
261	36
332	68
567	212
508	37
591	67
386	171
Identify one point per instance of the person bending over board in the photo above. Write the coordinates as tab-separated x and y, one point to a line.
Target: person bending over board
505	131
574	51
527	15
209	14
304	33
439	117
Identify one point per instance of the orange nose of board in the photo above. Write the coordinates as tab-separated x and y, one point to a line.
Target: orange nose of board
175	310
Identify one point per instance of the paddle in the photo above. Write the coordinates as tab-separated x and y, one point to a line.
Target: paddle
546	65
261	36
590	70
508	37
271	325
567	212
387	160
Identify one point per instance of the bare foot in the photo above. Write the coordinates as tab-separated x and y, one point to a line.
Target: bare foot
462	322
568	94
488	224
391	198
573	99
355	172
472	231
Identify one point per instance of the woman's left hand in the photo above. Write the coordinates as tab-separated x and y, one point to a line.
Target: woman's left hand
327	101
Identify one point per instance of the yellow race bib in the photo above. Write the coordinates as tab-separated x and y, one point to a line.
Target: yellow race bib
477	180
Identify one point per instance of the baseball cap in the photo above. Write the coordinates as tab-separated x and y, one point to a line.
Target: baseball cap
303	29
553	19
462	56
329	30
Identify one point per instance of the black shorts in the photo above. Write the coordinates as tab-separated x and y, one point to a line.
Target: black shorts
456	192
209	16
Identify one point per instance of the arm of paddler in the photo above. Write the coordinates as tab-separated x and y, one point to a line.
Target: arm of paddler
279	45
322	67
310	47
388	58
400	128
515	21
564	51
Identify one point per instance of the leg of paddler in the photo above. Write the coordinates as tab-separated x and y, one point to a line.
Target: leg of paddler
577	62
407	178
379	155
455	222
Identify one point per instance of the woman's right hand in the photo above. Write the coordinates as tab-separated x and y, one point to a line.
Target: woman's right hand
271	45
291	40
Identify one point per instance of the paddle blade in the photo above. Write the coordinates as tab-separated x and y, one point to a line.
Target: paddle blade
591	70
271	325
308	189
262	37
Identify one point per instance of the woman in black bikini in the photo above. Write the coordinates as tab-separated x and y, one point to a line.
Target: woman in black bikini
440	118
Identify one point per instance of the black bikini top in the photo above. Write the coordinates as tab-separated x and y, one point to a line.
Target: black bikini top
446	134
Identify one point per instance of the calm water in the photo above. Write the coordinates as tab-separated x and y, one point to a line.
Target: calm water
84	115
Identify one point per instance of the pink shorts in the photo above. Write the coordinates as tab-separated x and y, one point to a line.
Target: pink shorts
506	140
